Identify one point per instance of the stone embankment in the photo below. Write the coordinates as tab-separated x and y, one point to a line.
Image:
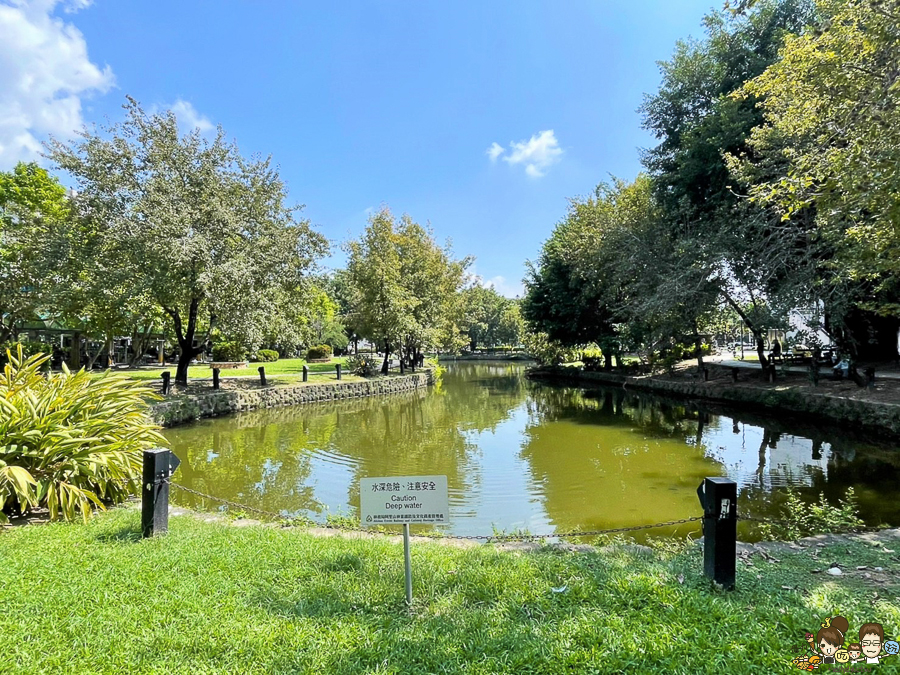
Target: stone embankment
189	407
789	398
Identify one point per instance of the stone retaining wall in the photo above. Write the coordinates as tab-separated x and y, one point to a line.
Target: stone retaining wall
873	415
190	407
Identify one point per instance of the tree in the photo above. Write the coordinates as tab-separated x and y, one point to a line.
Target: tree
402	286
433	278
829	148
760	263
202	231
382	307
32	206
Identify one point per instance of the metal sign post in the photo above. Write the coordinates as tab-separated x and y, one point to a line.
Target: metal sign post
408	563
404	500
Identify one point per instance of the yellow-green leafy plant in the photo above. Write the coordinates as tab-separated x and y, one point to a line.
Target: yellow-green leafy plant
67	442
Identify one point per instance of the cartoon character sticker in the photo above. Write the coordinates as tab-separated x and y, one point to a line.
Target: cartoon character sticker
827	645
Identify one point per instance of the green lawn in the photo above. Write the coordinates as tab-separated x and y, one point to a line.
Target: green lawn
213	598
280	368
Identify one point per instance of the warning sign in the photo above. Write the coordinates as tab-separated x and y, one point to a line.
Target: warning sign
403	500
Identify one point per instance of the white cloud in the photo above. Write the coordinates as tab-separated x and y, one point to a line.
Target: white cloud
537	154
503	287
189	119
45	72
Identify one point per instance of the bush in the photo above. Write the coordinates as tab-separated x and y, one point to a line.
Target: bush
28	349
799	519
363	365
319	352
229	351
265	355
69	442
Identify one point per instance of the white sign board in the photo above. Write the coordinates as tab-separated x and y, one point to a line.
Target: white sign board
403	500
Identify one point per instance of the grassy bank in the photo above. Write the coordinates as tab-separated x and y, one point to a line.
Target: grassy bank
282	368
213	598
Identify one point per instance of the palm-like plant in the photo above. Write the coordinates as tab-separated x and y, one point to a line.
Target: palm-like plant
68	442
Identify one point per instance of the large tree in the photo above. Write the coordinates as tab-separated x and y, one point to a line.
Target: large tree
402	287
723	243
33	208
382	307
830	146
203	231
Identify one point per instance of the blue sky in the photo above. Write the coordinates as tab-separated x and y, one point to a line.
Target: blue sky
364	104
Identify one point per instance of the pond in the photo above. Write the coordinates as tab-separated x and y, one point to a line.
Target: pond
523	455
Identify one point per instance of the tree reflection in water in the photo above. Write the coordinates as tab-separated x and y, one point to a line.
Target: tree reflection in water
517	451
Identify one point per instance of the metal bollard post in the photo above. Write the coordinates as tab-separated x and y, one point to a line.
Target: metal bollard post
870	377
337	367
159	465
706	374
305	373
771	373
262	375
215	378
718	497
734	374
402	366
166	377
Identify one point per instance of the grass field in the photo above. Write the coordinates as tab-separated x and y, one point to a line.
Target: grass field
213	598
281	368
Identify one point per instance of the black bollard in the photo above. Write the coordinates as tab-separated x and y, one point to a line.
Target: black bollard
166	377
771	373
870	377
305	373
159	465
402	366
215	378
262	375
718	497
706	374
734	374
337	367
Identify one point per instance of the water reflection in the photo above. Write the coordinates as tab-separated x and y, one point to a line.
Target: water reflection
523	454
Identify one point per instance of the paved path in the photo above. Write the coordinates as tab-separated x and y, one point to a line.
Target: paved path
728	362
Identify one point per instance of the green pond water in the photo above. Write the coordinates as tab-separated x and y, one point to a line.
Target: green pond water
520	455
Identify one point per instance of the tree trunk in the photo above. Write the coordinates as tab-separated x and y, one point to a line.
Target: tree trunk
607	362
186	339
760	340
139	343
93	359
110	353
761	350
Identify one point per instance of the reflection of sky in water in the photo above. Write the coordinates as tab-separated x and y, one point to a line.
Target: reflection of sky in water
505	479
790	462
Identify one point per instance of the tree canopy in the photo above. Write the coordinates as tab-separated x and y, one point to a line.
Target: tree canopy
203	232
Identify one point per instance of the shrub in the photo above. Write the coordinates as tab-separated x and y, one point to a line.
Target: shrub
68	442
265	355
319	352
363	365
28	349
229	351
799	519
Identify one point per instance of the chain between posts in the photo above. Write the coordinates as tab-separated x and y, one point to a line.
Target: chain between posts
482	537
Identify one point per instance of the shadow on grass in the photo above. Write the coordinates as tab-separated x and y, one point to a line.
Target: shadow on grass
131	532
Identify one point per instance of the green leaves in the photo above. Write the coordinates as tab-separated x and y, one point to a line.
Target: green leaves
70	443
